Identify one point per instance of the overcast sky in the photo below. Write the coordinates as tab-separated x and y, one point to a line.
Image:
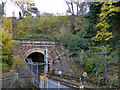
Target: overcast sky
51	6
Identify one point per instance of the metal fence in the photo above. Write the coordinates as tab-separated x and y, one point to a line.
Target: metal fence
36	69
10	82
36	73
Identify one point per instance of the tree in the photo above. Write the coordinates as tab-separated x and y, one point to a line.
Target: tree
109	9
93	18
70	6
79	24
24	27
76	6
7	45
7	24
77	44
25	5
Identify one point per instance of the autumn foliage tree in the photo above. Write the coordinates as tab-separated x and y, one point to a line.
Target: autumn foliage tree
7	44
24	5
108	10
9	60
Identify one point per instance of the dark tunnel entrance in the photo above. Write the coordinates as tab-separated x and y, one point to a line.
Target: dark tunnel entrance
36	57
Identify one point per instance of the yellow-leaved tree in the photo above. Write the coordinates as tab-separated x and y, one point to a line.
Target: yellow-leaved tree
7	24
8	59
7	45
17	62
103	27
20	29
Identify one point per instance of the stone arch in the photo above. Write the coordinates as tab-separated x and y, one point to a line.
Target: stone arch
39	50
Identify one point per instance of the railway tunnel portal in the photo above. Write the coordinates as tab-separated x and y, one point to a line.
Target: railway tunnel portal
35	51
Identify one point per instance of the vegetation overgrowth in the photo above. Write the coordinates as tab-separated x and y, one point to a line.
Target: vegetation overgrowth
96	31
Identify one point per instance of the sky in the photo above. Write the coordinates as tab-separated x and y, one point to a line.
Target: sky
51	6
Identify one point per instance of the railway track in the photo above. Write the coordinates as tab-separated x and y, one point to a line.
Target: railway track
66	83
77	79
70	77
69	84
76	86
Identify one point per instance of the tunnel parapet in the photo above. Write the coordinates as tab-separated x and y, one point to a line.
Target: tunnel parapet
29	46
35	42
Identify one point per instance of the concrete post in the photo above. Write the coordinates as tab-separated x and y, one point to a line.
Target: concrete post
41	84
47	82
58	85
37	76
46	60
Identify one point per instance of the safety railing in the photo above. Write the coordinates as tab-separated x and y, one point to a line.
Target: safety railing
9	82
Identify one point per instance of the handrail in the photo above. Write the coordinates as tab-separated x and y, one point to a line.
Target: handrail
6	78
14	80
11	78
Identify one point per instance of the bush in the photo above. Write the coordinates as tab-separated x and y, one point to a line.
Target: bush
5	67
113	81
17	62
89	66
77	44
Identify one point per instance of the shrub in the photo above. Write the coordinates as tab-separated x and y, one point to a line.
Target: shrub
5	67
17	62
78	44
113	81
89	66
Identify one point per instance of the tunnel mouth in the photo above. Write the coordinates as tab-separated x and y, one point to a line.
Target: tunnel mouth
36	57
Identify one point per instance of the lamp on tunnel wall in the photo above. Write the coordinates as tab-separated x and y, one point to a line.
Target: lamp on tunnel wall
46	60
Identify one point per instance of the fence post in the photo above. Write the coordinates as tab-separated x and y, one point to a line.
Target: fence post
37	75
31	67
33	81
81	85
47	83
58	85
40	83
13	81
106	66
46	60
17	80
103	70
